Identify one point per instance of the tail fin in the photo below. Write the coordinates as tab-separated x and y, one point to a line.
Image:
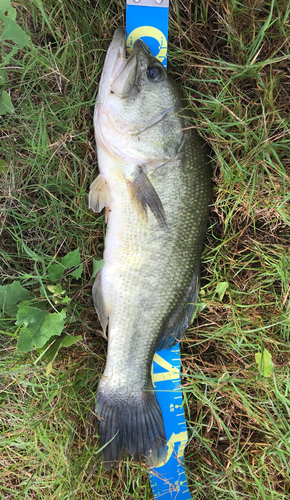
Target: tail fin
133	424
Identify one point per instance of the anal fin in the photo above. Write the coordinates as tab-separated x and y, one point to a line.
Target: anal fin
179	321
99	303
143	195
99	195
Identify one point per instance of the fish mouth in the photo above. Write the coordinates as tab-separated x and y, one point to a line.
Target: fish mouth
118	45
126	74
118	68
116	55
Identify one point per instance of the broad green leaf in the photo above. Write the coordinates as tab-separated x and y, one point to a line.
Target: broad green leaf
56	289
201	305
3	166
55	272
11	31
10	296
97	265
52	352
39	327
77	272
64	300
221	288
28	314
48	368
65	341
69	340
3	76
8	9
59	296
265	363
6	105
72	259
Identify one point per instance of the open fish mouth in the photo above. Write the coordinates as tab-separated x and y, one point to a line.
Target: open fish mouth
119	72
117	53
114	62
123	69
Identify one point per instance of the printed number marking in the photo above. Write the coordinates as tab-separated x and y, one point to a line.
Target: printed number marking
181	438
171	373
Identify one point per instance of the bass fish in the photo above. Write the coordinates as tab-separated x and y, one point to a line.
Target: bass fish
155	185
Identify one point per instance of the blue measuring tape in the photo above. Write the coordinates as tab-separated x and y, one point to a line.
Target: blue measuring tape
168	481
148	19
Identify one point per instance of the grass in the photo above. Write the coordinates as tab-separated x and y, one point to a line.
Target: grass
232	59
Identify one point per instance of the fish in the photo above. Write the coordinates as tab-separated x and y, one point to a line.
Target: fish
155	185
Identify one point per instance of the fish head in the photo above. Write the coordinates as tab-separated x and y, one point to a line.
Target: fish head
141	74
136	116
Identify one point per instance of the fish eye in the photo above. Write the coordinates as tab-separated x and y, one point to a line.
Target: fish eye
154	73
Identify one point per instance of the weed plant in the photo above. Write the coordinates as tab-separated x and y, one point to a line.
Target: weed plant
232	59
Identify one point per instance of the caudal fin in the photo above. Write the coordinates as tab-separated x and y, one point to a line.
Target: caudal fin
133	424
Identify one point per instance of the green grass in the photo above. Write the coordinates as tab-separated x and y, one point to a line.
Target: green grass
232	59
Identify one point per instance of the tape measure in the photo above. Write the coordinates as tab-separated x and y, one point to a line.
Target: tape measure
168	481
148	19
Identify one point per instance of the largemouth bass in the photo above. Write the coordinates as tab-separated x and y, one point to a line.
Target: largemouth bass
155	183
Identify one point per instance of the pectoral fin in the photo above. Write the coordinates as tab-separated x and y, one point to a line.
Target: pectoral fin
143	195
99	195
